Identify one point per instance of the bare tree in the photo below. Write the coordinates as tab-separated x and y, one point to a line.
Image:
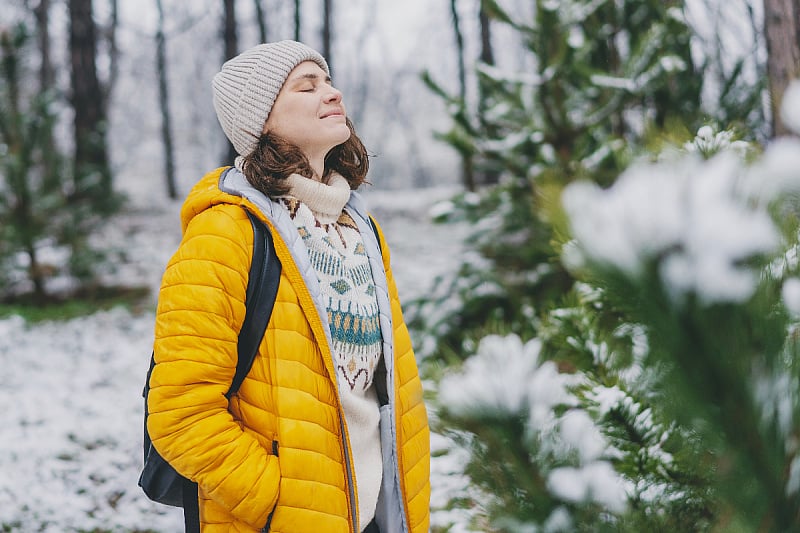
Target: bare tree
297	7
487	176
487	53
261	21
41	12
163	99
467	167
113	49
46	73
462	70
89	103
229	33
781	26
327	15
231	41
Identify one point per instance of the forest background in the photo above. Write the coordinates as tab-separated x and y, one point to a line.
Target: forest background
616	350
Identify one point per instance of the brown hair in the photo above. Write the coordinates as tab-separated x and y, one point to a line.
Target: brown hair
276	158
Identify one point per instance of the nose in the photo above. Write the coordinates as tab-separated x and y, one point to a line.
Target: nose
333	95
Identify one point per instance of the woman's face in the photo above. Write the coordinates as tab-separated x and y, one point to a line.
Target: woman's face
309	112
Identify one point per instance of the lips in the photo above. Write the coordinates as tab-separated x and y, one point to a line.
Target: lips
333	113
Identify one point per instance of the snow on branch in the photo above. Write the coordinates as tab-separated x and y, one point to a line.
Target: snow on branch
692	216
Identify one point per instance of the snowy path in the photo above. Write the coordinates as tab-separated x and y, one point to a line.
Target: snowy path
70	404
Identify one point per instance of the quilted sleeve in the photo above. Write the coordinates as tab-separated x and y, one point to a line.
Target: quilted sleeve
200	310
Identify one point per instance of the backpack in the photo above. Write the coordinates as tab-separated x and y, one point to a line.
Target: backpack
160	482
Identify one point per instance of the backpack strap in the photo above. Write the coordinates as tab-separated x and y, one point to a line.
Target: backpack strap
376	232
262	289
380	372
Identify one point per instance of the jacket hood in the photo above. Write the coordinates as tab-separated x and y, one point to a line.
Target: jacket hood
227	185
207	193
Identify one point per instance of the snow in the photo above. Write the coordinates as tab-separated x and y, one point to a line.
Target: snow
777	173
71	423
72	427
613	82
793	486
580	432
595	481
790	106
606	398
692	216
791	295
496	379
505	377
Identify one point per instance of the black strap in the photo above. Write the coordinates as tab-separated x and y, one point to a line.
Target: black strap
380	379
262	289
375	231
191	507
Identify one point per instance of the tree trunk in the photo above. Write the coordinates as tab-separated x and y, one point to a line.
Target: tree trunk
462	70
487	53
88	102
113	50
783	63
327	15
467	168
163	99
46	72
231	49
46	78
262	22
487	176
296	20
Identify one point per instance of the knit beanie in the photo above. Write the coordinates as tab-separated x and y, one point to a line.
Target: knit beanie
247	85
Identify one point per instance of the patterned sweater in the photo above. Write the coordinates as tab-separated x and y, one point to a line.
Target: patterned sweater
336	250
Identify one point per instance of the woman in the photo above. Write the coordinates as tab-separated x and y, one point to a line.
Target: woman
305	444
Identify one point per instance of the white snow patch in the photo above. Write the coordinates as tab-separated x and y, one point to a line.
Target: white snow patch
791	295
597	482
790	106
496	379
689	215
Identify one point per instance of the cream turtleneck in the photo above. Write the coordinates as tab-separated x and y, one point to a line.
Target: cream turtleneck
326	200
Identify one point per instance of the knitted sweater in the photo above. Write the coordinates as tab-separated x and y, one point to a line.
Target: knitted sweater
336	251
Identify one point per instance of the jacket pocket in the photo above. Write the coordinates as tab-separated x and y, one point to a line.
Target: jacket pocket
265	529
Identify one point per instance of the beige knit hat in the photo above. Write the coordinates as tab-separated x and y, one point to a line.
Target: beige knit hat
247	85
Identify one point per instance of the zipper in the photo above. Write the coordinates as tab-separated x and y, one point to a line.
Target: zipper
350	485
324	327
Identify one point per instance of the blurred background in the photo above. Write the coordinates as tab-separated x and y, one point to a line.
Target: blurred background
593	213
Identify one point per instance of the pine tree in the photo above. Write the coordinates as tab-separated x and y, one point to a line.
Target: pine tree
664	393
607	74
38	207
591	398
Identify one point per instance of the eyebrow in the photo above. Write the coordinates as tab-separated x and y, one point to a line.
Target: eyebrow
310	76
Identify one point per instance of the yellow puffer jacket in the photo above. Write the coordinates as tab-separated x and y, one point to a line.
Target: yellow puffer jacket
276	455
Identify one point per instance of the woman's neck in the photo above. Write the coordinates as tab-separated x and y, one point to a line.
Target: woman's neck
317	165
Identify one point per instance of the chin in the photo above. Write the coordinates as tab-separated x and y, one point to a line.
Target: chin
344	137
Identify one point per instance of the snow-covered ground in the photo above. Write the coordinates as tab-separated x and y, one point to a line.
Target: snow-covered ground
70	393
